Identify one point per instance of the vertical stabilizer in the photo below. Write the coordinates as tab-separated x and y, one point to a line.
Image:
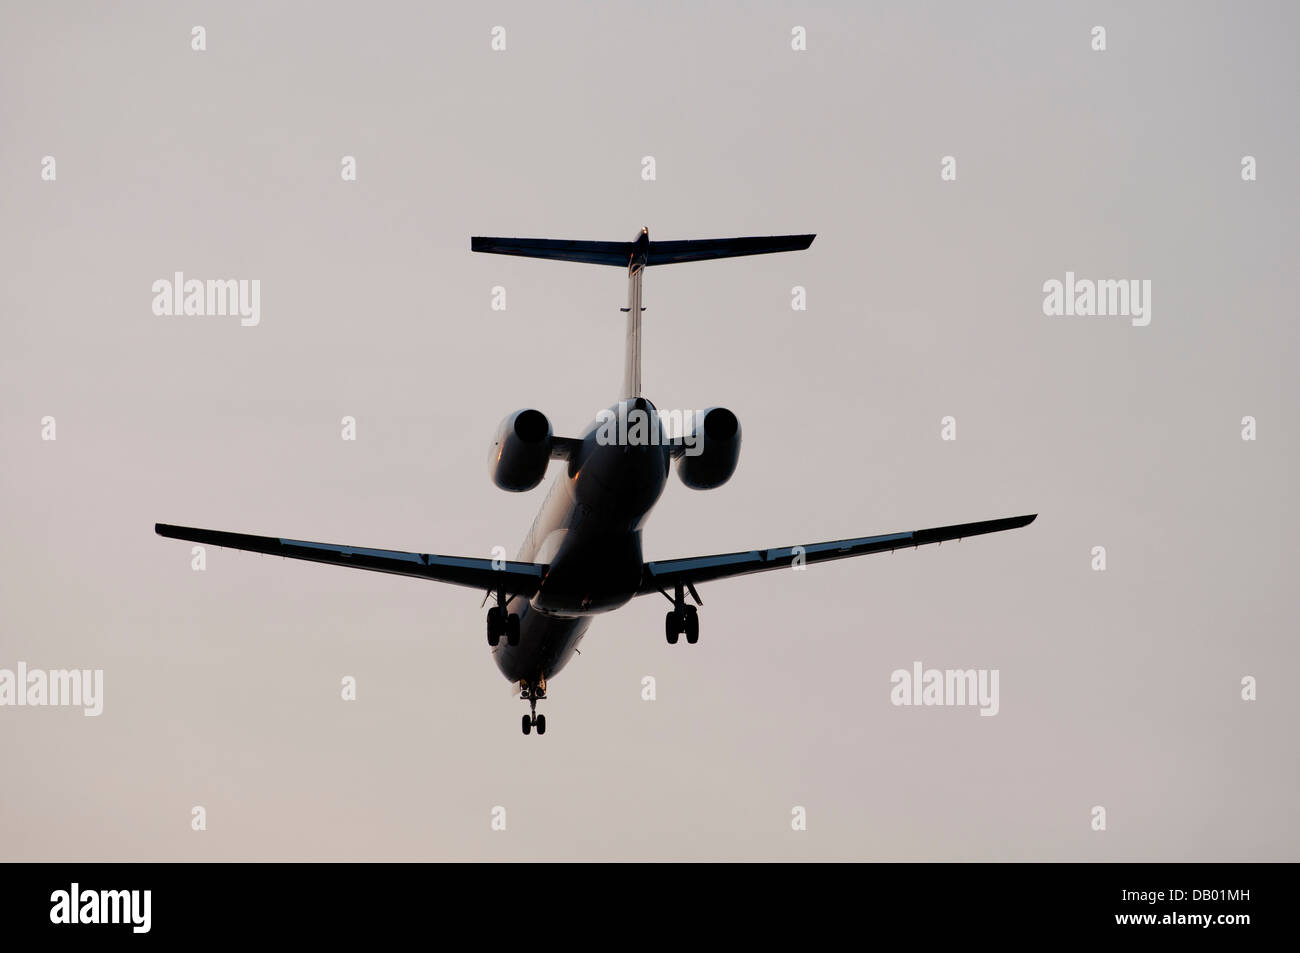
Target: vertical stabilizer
632	346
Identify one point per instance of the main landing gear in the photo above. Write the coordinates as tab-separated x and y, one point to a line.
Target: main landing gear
683	619
688	622
500	623
533	693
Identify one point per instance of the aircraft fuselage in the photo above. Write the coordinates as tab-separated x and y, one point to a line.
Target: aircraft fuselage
588	531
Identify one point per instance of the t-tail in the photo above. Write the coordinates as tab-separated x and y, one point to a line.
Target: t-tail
635	256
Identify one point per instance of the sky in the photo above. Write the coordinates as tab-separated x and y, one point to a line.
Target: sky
776	737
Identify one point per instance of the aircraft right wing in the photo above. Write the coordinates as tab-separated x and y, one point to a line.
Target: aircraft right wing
666	574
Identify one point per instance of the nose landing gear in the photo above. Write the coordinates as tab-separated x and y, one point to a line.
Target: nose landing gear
533	693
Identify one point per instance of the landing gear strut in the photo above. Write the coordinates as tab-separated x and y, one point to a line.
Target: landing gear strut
683	619
500	623
533	692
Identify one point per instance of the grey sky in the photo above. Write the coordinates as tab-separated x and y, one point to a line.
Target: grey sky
1119	689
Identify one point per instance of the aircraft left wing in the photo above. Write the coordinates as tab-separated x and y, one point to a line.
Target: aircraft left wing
666	574
514	578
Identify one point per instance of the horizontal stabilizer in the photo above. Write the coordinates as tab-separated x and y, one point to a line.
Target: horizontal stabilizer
704	249
593	253
620	254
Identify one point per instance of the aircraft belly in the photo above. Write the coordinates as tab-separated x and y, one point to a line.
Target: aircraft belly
546	643
594	572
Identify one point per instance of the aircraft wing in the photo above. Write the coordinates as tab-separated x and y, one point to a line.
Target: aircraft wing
666	574
514	578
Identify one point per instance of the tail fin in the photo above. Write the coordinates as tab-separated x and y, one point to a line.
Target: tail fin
636	256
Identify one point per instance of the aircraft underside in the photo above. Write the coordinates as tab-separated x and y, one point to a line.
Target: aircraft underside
583	555
544	645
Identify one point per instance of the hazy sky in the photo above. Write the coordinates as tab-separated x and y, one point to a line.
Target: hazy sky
1119	689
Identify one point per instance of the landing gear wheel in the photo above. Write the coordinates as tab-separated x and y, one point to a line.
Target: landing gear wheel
528	726
672	627
541	724
512	631
494	626
692	625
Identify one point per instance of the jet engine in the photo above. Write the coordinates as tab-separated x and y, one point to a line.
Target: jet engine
521	451
713	458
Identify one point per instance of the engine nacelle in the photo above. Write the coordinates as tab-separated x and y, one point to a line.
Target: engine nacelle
712	461
521	451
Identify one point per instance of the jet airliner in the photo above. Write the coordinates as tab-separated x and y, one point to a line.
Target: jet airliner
583	555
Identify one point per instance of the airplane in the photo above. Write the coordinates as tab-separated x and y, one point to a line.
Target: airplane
583	555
